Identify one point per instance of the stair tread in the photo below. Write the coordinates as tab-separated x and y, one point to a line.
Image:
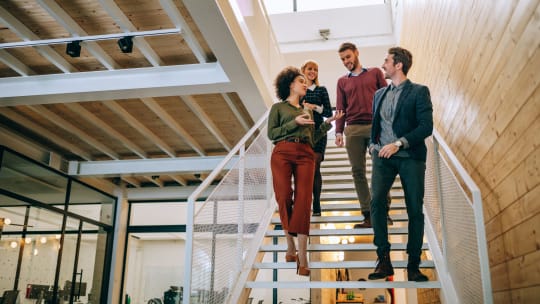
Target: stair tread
351	195
355	206
341	232
343	219
341	284
337	247
334	265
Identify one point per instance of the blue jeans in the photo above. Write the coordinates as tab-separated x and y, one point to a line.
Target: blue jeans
412	173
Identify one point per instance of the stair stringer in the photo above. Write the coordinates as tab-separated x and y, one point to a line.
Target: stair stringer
251	255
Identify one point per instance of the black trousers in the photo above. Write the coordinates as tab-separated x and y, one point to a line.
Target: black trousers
412	175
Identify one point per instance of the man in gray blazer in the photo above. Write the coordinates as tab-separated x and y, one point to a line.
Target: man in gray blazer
402	120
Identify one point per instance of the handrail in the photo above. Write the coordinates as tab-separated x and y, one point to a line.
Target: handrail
440	256
197	193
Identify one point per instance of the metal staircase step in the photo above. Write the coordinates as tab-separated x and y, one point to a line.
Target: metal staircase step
356	206
342	284
328	163
343	219
347	177
346	186
336	265
340	232
340	170
351	195
337	247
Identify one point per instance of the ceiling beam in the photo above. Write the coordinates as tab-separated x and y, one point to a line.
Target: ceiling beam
249	84
101	125
141	167
154	180
132	181
26	34
125	24
180	180
15	64
71	128
176	17
74	29
41	131
234	109
167	193
203	78
171	123
208	122
137	125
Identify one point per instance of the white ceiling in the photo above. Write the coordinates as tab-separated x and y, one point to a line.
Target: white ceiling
373	28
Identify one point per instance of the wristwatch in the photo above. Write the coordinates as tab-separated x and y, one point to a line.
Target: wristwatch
398	143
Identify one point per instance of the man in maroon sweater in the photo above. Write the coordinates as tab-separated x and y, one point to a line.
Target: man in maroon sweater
355	92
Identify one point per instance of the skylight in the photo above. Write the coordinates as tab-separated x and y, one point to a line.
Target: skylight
288	6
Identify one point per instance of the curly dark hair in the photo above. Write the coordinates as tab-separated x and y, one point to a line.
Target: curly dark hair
283	81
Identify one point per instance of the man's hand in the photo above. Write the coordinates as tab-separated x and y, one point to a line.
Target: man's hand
337	115
339	140
388	150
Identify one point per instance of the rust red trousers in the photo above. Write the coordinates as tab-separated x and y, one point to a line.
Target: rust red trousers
296	160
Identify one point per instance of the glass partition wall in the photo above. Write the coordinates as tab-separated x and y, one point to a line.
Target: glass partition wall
154	258
55	235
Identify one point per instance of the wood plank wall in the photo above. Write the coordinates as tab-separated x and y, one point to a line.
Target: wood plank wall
481	59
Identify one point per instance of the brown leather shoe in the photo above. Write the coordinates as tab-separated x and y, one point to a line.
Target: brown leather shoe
384	268
366	223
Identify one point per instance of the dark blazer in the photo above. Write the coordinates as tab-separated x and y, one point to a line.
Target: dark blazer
413	118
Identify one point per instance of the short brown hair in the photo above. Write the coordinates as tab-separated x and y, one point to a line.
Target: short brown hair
401	55
347	46
283	81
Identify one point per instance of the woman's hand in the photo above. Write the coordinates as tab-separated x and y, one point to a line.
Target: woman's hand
310	106
304	119
337	115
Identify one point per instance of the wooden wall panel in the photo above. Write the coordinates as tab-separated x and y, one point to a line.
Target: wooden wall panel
480	60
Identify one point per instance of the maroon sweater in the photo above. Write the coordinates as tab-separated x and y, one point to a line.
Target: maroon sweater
355	97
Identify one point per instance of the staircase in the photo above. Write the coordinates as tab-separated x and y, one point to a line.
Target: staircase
335	246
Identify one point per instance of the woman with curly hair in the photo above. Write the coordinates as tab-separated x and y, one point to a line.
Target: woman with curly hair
292	129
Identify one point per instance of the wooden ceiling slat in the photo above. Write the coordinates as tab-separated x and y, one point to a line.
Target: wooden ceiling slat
135	123
74	29
15	64
25	33
236	112
102	125
69	127
125	24
41	131
171	123
197	110
176	17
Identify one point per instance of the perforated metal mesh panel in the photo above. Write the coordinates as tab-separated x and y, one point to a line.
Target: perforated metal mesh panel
453	217
225	224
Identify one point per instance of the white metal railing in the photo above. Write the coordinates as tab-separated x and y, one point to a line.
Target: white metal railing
223	236
455	227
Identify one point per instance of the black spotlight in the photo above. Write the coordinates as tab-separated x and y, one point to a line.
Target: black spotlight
126	44
73	48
